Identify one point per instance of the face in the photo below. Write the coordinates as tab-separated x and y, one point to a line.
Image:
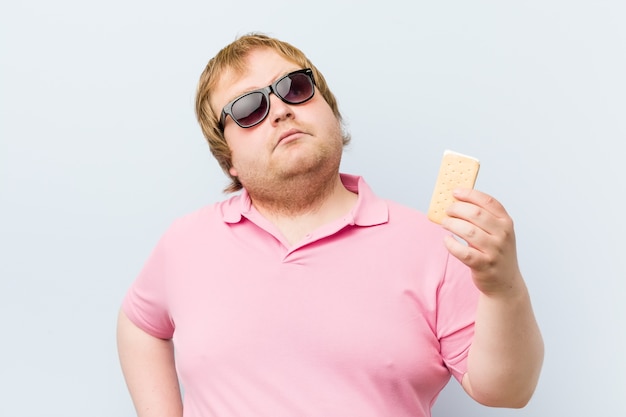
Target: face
292	141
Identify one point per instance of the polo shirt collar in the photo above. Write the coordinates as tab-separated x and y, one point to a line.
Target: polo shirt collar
369	209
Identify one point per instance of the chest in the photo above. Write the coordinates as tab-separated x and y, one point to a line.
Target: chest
271	310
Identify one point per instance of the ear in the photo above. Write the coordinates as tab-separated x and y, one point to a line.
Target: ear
232	171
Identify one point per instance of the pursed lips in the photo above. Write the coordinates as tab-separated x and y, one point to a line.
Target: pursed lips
288	135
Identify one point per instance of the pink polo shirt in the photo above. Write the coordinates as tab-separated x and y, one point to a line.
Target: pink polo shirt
366	317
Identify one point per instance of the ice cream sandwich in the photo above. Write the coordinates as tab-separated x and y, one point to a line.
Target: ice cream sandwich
456	171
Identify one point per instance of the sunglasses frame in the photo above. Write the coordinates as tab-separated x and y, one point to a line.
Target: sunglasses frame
272	88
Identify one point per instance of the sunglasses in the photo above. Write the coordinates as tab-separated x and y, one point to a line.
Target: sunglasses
252	108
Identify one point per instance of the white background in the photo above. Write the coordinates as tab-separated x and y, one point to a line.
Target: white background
100	151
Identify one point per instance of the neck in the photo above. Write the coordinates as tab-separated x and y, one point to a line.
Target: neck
296	196
299	207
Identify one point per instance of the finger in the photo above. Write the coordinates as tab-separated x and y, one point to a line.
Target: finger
464	253
489	237
480	199
473	214
474	236
460	227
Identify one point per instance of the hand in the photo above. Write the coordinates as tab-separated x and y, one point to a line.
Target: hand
482	222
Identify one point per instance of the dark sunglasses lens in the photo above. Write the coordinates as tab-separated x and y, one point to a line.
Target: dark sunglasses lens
250	109
295	88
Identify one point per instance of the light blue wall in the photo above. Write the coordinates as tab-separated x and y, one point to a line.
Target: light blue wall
99	151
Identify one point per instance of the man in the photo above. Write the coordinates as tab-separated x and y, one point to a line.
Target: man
305	294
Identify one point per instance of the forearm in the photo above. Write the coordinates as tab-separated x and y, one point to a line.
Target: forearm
148	366
505	359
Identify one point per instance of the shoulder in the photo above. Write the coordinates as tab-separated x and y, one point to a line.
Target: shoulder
205	220
399	217
409	217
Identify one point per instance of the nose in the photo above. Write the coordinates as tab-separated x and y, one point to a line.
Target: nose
279	110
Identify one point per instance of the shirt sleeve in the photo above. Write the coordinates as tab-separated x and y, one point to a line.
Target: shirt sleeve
146	302
457	300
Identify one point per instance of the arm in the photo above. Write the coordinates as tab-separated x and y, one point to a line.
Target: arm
506	355
148	366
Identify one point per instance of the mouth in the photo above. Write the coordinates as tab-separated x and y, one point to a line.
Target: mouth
289	135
